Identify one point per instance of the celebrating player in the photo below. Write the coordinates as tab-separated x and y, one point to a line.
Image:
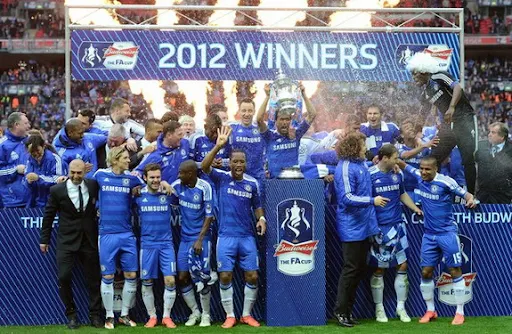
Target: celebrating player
446	95
283	144
194	196
116	236
247	137
239	196
440	239
157	251
389	248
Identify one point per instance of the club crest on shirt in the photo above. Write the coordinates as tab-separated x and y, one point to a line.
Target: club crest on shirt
248	187
162	199
255	131
183	152
196	197
126	182
89	144
434	188
296	250
14	155
394	177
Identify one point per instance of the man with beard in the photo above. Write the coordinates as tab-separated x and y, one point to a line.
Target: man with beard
283	144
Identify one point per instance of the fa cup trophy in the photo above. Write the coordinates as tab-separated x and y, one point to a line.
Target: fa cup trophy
285	97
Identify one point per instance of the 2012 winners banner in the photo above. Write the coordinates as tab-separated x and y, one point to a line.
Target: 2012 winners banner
209	55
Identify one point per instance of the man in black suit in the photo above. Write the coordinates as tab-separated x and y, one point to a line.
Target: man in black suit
494	158
74	201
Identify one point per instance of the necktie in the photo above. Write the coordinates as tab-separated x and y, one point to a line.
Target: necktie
494	150
80	199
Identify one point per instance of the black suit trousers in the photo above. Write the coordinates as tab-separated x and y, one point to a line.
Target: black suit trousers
354	266
89	258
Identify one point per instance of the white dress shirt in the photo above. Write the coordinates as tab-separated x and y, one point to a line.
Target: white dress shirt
73	194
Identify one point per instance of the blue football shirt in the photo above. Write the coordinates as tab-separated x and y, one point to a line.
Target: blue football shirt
154	211
282	151
237	201
195	204
436	201
249	140
115	200
389	185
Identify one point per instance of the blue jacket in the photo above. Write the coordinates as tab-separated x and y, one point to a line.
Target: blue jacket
168	158
86	150
50	168
13	190
355	216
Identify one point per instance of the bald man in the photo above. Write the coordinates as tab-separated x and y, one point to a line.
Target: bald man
72	143
195	197
77	237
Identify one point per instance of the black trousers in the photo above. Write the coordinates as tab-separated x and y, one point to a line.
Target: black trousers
91	267
465	136
355	254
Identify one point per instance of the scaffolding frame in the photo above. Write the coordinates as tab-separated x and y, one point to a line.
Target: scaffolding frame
381	15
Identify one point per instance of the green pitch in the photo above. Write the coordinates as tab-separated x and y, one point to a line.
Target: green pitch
478	325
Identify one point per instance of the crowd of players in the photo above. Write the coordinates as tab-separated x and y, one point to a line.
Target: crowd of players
217	174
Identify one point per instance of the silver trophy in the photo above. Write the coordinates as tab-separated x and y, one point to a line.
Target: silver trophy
286	96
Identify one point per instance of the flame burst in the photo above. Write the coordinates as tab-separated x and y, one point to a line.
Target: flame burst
153	94
223	17
84	16
230	100
357	19
166	16
195	93
282	18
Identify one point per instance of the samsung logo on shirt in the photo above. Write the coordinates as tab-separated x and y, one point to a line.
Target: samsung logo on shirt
116	189
154	208
284	146
426	195
190	205
387	188
239	193
248	139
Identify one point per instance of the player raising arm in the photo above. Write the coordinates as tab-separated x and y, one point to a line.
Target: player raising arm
239	197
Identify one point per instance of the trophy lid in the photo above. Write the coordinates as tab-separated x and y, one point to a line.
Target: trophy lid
290	173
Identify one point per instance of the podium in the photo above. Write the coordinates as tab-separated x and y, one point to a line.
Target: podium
295	252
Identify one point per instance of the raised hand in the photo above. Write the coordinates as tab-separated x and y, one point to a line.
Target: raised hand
267	89
223	135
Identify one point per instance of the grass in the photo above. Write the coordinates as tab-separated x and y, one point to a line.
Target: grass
477	325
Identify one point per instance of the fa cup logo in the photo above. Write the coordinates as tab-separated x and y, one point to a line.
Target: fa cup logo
294	219
296	250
